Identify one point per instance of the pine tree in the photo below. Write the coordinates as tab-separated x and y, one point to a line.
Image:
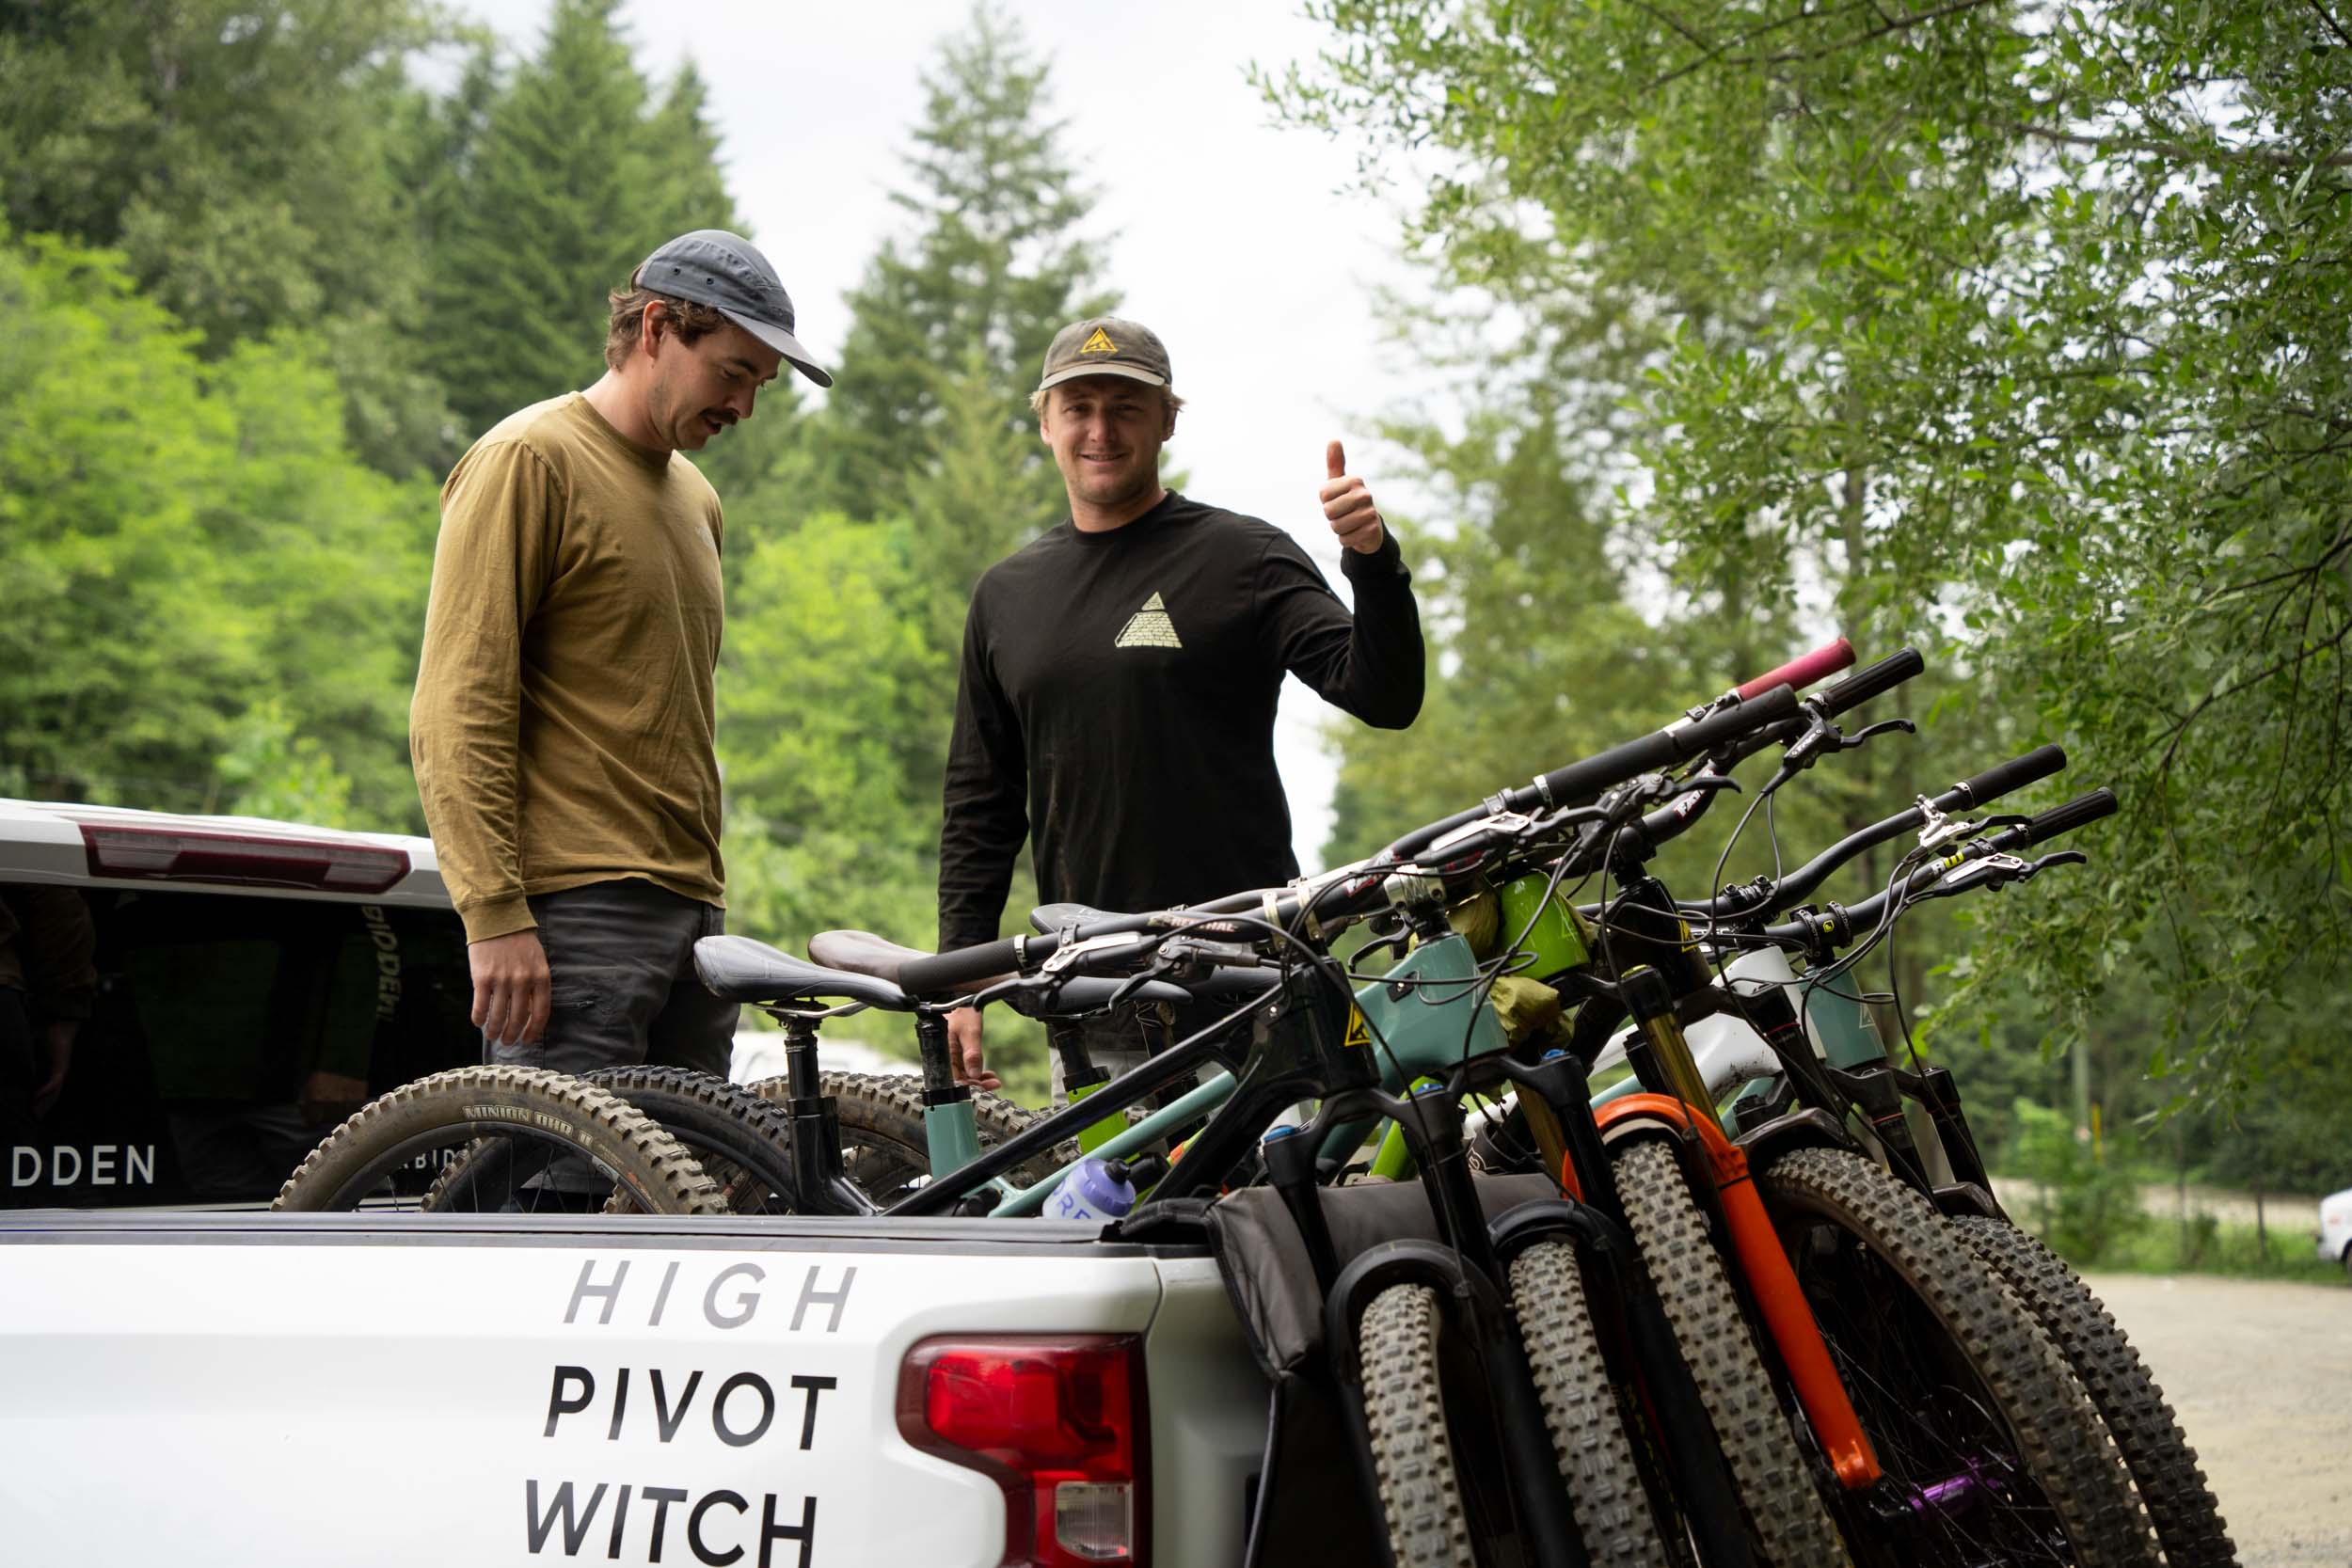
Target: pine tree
994	270
688	190
564	196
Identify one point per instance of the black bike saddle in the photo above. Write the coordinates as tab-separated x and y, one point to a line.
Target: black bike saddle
737	968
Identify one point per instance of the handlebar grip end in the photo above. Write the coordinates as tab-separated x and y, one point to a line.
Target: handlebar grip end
2078	812
2003	777
1873	680
947	972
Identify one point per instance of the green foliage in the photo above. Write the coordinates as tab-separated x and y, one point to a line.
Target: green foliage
239	155
2089	1201
823	713
948	327
572	181
271	771
182	543
2023	322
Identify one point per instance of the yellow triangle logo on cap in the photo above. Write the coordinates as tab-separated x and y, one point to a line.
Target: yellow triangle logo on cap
1100	343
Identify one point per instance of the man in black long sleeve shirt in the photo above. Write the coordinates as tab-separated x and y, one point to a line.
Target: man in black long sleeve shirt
1120	675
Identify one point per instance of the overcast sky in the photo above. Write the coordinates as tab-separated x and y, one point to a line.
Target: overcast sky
1227	236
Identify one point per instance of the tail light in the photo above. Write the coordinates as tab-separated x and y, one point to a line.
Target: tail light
1058	1421
172	854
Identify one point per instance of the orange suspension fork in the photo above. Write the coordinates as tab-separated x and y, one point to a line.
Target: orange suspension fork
1772	1283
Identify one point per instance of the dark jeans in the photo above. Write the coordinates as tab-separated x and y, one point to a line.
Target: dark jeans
621	960
1124	1039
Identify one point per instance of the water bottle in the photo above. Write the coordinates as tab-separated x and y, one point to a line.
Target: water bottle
1095	1189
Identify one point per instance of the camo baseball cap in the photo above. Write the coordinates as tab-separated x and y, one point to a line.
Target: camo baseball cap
1106	346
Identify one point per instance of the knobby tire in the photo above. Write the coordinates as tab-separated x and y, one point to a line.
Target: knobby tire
1778	1496
2188	1518
556	1115
1992	1451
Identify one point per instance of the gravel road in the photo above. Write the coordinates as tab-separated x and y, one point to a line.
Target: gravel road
2260	1374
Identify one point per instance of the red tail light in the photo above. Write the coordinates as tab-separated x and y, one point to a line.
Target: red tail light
1058	1421
172	855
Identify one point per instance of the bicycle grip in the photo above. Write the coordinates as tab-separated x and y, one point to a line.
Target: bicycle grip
1802	670
2076	813
1874	680
1582	781
2016	773
945	972
1732	722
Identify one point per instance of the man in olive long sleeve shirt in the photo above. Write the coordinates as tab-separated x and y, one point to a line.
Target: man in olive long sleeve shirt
1120	675
562	728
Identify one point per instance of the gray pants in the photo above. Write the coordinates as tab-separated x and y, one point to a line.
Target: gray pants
1120	1041
621	960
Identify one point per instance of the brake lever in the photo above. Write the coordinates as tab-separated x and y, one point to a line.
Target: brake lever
2056	857
1885	726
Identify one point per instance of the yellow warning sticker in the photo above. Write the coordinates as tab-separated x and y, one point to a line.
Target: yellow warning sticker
1100	343
1358	1032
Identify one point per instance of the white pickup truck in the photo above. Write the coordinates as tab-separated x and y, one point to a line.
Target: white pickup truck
192	1379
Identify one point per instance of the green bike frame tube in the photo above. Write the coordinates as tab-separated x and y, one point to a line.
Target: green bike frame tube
1093	1137
1215	1091
1555	937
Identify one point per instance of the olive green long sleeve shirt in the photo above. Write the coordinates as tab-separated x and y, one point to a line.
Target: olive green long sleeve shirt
562	728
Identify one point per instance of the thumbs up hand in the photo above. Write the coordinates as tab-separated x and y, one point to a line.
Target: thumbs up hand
1348	504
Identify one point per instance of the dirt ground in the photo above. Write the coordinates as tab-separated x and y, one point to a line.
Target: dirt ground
2260	1374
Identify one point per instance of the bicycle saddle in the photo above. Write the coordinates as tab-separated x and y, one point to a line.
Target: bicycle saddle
864	953
737	968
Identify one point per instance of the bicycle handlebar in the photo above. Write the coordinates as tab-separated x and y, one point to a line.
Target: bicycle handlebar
1802	670
2080	811
1677	742
2015	774
1874	680
946	971
1798	884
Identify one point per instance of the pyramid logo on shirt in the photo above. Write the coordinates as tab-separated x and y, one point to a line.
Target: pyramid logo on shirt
1150	628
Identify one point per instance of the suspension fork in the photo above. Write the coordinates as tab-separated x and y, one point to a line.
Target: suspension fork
1771	1284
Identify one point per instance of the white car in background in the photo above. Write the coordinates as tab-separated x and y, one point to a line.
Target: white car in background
2335	1228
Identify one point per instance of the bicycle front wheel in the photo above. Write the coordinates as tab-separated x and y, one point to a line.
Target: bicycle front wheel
1404	1422
1991	1451
1778	1499
2164	1467
559	1127
1581	1411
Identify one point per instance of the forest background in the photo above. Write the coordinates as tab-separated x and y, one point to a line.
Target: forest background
2015	331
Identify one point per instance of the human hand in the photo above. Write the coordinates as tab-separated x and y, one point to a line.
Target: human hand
1348	504
964	1050
509	987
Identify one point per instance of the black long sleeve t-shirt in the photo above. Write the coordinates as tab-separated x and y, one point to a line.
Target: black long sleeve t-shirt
1117	706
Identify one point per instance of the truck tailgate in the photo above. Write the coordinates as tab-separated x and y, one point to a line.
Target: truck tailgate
265	1389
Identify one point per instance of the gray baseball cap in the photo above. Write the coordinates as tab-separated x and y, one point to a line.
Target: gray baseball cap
1106	346
727	273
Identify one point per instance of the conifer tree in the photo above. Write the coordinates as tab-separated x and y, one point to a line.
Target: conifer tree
574	178
994	267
